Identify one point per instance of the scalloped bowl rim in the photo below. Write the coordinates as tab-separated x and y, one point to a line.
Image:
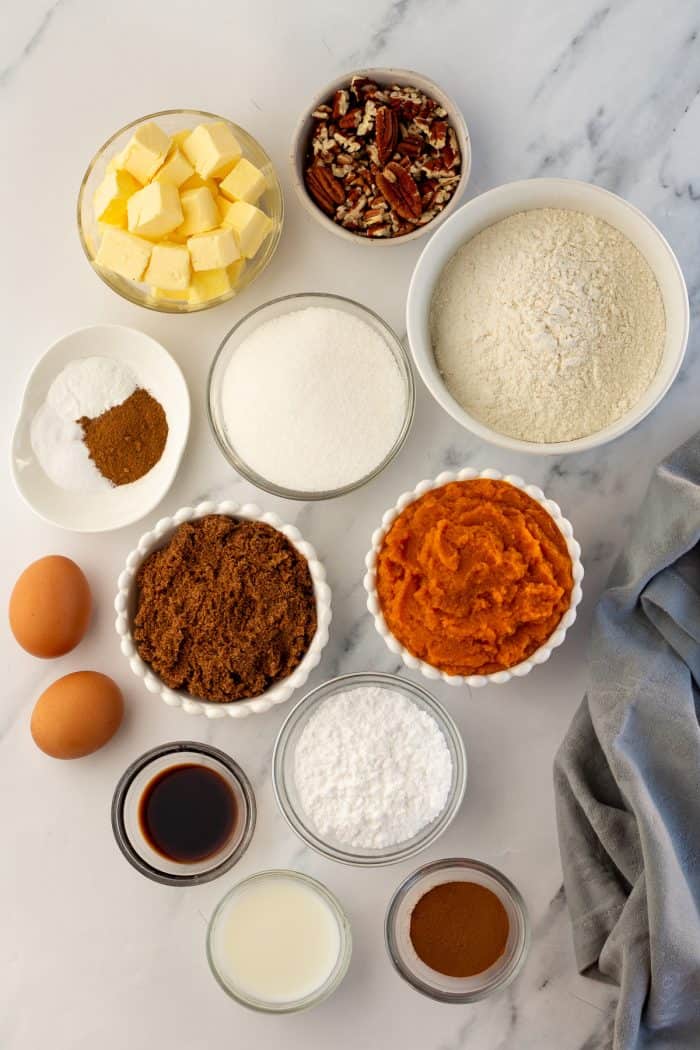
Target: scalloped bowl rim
540	655
281	691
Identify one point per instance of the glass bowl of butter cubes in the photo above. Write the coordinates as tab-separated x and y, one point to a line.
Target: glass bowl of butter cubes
180	210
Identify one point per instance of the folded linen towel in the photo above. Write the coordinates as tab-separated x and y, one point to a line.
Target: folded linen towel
627	776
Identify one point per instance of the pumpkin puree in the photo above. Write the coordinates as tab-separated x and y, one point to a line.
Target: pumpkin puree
473	577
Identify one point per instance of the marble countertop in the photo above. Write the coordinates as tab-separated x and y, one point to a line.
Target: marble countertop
92	955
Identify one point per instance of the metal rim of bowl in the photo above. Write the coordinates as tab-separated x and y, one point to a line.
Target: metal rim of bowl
388	74
515	966
335	978
471	424
400	356
397	853
166	307
119	826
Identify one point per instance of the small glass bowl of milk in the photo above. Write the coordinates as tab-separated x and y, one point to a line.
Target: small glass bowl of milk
279	942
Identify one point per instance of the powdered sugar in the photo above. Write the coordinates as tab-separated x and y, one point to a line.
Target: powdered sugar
371	768
548	325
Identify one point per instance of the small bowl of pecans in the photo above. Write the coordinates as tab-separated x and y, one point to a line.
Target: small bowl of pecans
381	155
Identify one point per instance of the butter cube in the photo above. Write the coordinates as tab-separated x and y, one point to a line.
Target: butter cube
176	169
112	195
155	210
196	181
145	152
179	137
224	206
235	270
117	161
169	267
250	226
244	183
213	250
167	293
123	253
199	211
209	284
212	149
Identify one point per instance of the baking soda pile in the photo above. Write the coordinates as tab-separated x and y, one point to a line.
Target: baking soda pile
371	768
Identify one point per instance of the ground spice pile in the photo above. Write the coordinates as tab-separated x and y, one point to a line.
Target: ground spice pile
459	928
473	577
128	440
225	609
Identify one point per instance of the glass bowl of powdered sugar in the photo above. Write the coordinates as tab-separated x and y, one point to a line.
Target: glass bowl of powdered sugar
369	769
310	396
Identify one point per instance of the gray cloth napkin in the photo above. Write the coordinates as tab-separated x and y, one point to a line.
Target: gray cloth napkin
627	776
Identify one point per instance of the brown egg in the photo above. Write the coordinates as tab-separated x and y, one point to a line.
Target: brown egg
77	715
50	607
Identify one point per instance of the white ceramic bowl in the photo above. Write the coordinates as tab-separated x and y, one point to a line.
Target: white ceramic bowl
514	197
121	505
125	604
383	75
540	655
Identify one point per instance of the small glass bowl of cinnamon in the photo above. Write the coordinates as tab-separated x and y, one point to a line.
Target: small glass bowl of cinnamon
457	930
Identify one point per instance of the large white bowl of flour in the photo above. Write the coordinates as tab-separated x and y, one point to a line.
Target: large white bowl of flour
548	332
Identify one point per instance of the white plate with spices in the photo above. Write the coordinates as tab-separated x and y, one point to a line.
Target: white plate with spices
80	505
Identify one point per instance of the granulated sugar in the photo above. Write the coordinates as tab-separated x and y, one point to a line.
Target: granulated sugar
313	400
371	768
548	325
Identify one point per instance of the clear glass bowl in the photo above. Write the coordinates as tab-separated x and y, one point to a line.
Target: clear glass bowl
437	985
172	121
129	834
276	308
285	787
319	994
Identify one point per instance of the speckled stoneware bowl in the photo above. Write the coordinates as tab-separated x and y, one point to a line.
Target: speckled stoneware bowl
540	655
125	604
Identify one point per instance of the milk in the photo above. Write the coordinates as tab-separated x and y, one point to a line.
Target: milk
276	940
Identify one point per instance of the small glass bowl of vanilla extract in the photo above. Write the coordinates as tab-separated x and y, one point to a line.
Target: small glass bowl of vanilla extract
183	813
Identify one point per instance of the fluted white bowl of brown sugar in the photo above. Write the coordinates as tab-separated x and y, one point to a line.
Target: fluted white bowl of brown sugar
540	655
513	197
125	607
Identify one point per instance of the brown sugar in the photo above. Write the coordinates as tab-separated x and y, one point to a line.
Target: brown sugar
126	441
225	609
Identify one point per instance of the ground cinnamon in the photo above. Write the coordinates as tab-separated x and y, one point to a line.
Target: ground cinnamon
127	441
459	928
225	609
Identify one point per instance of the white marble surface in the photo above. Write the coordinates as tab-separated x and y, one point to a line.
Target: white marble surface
92	955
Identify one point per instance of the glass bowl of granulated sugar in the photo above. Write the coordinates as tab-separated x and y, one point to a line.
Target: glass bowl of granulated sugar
548	316
310	396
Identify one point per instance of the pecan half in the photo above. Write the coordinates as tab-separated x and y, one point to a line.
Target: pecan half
386	134
399	190
325	188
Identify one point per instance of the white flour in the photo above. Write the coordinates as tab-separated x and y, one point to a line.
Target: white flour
371	768
548	325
